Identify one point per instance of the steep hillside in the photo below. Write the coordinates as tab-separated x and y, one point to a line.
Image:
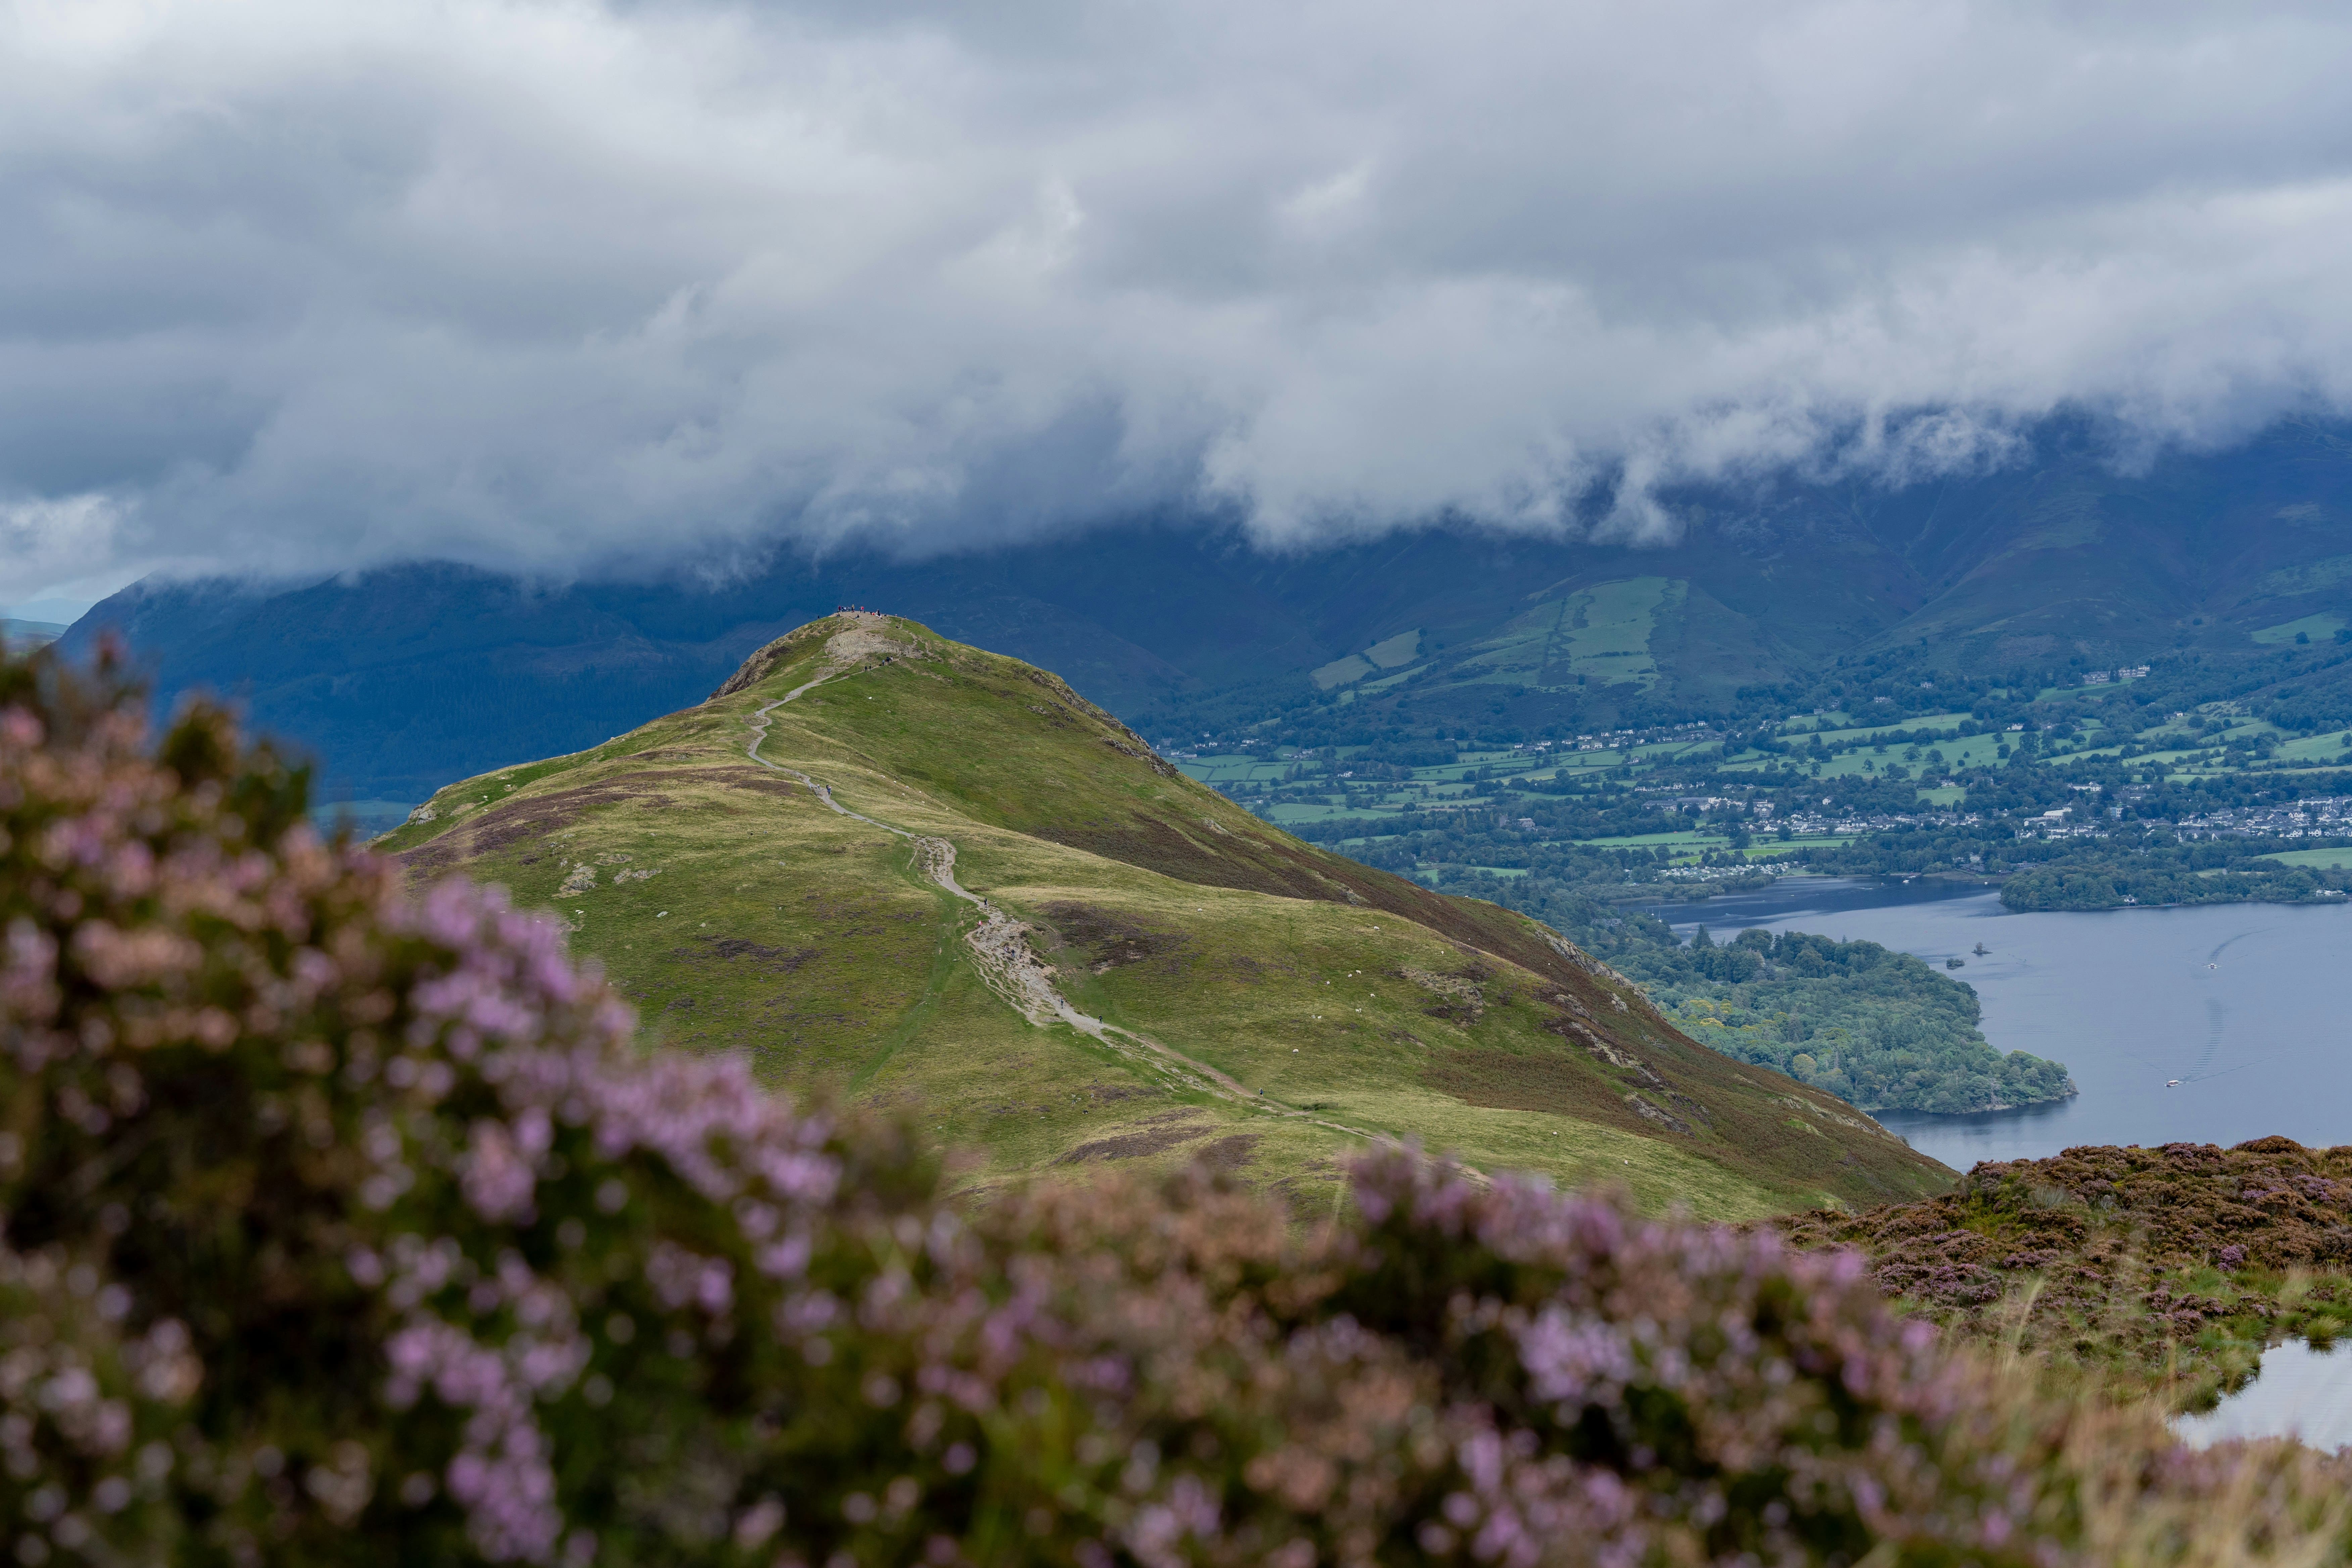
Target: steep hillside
899	870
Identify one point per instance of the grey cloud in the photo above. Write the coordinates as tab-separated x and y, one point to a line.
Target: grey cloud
292	285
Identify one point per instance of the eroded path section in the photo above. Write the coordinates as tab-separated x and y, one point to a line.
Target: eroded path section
999	946
1000	950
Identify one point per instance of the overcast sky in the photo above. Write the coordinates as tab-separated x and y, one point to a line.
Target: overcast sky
295	284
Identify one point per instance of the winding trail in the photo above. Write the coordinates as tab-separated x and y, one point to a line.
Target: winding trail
999	949
998	944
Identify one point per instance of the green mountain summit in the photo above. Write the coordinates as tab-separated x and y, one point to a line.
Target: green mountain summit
903	872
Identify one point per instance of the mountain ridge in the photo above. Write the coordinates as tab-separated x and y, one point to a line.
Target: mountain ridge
918	875
405	677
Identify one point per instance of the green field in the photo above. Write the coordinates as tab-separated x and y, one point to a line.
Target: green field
1850	764
1303	811
1390	653
1675	751
2322	859
1944	723
1235	767
1384	682
1396	652
1959	751
1653	840
1942	751
1596	636
2321	748
1341	671
2317	628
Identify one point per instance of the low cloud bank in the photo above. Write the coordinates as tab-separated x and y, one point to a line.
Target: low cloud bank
567	288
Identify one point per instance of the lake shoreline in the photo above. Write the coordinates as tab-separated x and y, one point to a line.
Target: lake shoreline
2217	1025
1702	893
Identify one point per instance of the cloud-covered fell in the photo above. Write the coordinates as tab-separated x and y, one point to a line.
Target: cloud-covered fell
550	284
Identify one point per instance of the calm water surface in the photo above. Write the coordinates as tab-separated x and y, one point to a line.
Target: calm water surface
2300	1393
2245	1004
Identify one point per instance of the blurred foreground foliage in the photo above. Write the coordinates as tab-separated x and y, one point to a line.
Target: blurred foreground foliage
347	1227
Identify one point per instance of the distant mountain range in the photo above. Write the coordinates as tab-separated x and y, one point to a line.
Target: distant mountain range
405	678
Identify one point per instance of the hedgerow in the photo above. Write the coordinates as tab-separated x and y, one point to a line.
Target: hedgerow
347	1226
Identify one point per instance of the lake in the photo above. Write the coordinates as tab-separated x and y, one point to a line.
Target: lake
2249	1005
2299	1392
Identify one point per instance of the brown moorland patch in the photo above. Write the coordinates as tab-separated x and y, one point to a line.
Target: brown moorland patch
1110	939
2140	1269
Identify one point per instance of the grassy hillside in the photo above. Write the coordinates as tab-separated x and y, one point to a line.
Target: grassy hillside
934	845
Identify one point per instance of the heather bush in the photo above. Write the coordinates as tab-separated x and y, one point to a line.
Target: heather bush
346	1227
2165	1270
